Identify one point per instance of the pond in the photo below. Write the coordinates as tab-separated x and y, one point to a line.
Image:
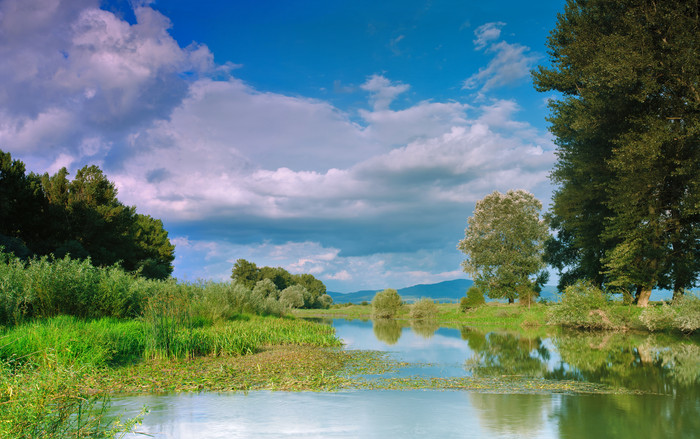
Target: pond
655	383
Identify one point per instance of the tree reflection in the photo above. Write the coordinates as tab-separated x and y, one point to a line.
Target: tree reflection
655	364
387	330
506	354
511	415
424	328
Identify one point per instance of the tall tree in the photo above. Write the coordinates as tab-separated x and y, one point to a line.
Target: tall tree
504	244
628	130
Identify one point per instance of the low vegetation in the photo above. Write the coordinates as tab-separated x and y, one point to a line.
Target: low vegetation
71	334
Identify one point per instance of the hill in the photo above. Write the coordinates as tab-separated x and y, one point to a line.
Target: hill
447	291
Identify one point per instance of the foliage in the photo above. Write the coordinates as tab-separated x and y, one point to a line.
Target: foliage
504	243
627	126
423	309
293	297
583	305
473	299
386	304
49	403
249	274
682	315
44	215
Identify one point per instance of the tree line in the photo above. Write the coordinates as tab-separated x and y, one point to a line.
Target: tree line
293	290
626	120
52	215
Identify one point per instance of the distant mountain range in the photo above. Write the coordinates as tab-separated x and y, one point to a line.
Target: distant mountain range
452	291
447	291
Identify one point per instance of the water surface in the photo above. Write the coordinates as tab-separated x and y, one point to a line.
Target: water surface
666	370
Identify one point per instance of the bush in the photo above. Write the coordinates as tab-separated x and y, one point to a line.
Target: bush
473	299
584	305
424	309
682	315
386	304
293	297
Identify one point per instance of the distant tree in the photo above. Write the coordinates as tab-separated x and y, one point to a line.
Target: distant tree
386	304
278	275
473	299
266	289
504	244
246	273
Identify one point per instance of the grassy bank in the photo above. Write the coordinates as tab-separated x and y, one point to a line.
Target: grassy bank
57	373
502	315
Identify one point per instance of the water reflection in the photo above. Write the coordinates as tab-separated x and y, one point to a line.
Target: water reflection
667	368
387	330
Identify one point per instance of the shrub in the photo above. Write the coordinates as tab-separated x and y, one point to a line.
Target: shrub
688	313
325	301
424	309
386	304
473	299
583	305
293	297
682	315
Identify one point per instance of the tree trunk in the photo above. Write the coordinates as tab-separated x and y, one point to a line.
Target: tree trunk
637	294
511	300
644	296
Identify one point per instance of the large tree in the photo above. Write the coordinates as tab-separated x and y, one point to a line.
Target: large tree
41	215
504	244
627	125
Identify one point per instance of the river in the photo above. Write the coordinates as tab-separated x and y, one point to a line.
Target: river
658	378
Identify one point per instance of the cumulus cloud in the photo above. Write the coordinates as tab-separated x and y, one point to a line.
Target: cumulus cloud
72	72
510	63
371	198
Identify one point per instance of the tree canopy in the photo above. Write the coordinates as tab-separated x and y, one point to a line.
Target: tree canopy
50	214
627	127
313	291
504	244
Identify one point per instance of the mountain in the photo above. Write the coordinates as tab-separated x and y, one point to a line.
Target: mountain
447	291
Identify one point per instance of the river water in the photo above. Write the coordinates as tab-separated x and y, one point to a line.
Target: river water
666	372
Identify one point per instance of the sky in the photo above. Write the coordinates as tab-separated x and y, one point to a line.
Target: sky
346	139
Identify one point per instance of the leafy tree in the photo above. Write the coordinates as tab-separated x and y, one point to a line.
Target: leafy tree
386	304
246	273
473	299
293	297
504	244
42	215
627	124
423	309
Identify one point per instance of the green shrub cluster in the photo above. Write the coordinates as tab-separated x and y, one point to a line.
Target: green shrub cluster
386	304
586	306
473	299
423	309
683	315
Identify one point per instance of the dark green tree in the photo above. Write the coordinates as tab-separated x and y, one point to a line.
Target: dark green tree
627	127
246	273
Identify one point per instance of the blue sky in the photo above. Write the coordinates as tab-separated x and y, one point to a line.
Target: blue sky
348	139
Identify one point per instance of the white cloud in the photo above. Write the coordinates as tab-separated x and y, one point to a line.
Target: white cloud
382	91
486	33
510	62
